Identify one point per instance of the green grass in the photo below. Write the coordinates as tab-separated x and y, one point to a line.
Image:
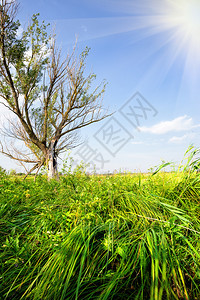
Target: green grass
100	237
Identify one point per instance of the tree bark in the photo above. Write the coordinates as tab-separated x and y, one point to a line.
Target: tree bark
52	161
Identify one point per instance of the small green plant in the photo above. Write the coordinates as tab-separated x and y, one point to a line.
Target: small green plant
12	172
70	166
2	172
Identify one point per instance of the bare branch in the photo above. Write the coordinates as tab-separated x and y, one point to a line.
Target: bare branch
10	155
31	170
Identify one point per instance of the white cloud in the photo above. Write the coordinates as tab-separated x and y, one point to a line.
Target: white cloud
45	52
188	137
178	139
20	31
182	123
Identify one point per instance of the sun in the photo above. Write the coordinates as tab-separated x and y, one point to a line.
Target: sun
180	16
176	24
185	17
182	19
191	16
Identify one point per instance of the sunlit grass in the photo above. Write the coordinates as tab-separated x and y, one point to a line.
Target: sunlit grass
133	236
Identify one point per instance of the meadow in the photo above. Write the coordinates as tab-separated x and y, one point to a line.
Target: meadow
133	236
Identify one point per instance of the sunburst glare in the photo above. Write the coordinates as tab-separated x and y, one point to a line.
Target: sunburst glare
181	19
185	17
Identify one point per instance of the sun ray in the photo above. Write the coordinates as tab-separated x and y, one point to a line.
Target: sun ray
173	26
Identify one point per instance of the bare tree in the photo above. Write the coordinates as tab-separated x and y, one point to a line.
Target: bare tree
51	97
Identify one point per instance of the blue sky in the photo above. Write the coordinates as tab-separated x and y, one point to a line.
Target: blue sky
148	53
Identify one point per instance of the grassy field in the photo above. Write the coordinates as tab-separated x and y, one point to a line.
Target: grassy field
100	237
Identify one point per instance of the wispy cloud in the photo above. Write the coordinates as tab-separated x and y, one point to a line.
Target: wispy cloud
183	123
187	137
178	139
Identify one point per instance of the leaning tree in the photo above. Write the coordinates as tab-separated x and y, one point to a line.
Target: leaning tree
50	97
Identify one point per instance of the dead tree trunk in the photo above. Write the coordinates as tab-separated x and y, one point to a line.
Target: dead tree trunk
52	161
